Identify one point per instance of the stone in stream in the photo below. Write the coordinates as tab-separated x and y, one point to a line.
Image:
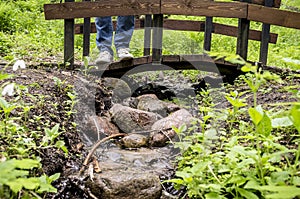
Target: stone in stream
131	120
150	102
119	87
134	141
126	184
164	126
102	125
132	174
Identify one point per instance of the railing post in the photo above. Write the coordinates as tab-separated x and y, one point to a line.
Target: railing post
147	34
157	35
69	34
208	33
243	36
86	35
265	38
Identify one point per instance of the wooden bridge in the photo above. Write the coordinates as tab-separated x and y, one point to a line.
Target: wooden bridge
265	11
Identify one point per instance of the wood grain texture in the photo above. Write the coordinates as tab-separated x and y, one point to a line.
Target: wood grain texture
203	8
189	25
274	16
169	62
276	3
71	10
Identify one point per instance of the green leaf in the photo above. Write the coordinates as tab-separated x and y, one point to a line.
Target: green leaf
247	194
211	134
249	68
251	184
281	122
286	192
256	114
5	76
27	164
213	195
29	183
14	186
235	60
264	127
61	145
54	177
295	113
3	103
235	102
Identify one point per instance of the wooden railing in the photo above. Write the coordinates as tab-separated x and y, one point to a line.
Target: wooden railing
265	11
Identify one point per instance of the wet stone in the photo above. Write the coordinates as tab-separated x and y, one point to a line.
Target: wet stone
132	120
119	87
134	141
164	126
151	103
102	125
127	184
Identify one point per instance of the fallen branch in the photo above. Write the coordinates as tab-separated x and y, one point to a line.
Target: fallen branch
97	144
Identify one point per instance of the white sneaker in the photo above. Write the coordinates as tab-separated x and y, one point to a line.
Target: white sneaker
124	54
104	58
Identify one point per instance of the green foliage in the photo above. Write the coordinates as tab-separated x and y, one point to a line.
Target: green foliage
15	174
240	160
19	153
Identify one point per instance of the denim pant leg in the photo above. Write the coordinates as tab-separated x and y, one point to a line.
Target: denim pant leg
104	34
124	31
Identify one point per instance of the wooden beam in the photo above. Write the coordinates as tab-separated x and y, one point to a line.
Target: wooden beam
174	62
203	8
276	3
274	16
208	30
265	37
147	34
189	25
157	35
86	35
70	10
69	41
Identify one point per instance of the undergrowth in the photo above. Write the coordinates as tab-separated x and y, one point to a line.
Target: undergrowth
26	136
223	155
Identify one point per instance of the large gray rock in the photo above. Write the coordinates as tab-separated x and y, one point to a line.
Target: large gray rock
127	184
164	127
151	103
131	120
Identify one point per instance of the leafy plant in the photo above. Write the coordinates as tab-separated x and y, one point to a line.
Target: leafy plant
15	174
250	164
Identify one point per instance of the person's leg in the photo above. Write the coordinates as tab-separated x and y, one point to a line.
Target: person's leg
125	27
104	33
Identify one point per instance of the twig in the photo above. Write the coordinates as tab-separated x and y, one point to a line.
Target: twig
88	157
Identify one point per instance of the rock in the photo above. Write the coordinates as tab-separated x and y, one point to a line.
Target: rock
161	138
120	88
130	102
151	103
131	120
102	125
134	141
164	126
126	184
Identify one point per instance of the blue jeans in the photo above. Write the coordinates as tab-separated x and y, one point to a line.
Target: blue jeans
124	31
